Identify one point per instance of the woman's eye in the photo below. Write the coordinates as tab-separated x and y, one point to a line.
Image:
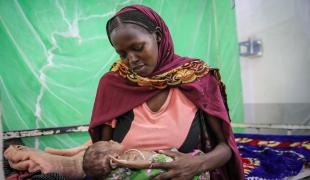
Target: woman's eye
138	47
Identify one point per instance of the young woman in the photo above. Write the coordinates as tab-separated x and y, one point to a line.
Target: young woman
154	99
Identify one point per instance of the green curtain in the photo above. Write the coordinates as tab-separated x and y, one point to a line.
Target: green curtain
53	52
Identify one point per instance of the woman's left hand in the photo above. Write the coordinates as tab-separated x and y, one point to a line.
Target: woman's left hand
183	167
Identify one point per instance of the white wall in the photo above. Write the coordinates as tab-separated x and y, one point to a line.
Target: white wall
276	86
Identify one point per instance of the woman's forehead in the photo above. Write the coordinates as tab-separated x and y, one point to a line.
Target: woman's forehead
128	32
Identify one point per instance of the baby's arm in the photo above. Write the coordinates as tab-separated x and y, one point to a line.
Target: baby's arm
69	152
133	164
138	159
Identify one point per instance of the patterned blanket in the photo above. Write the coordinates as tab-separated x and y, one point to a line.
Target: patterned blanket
273	157
265	157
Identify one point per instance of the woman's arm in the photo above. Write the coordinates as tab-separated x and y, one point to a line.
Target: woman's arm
186	167
222	152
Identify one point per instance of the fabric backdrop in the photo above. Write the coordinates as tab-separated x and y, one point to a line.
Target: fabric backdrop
53	52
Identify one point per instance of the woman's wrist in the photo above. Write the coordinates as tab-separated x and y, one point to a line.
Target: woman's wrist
200	164
206	163
219	156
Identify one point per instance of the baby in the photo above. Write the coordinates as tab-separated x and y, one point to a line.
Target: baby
110	160
102	160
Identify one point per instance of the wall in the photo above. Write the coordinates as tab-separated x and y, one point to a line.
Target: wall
276	86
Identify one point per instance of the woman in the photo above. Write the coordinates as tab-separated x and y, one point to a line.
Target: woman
154	99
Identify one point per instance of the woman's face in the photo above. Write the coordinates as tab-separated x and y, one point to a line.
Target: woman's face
137	47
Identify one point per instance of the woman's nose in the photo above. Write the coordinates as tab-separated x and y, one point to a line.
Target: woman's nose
132	58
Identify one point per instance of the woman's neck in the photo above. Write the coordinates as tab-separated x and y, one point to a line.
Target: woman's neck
156	102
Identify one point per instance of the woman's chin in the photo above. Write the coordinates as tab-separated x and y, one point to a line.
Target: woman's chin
142	72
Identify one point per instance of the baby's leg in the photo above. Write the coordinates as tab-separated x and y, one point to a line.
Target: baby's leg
70	167
24	158
16	153
26	165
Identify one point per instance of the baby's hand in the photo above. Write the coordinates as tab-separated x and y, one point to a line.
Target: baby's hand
134	164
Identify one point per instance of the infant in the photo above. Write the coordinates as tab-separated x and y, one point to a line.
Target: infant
110	160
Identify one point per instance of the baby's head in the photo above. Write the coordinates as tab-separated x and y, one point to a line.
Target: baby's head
96	160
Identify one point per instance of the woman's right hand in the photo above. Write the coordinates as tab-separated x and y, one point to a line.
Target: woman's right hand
68	152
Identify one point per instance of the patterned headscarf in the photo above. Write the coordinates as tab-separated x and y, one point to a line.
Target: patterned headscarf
120	90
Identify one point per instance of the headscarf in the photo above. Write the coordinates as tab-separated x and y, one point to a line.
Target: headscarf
119	93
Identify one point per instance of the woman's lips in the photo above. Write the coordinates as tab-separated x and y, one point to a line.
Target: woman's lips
138	68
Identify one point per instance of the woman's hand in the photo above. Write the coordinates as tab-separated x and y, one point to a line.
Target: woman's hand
69	152
183	167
